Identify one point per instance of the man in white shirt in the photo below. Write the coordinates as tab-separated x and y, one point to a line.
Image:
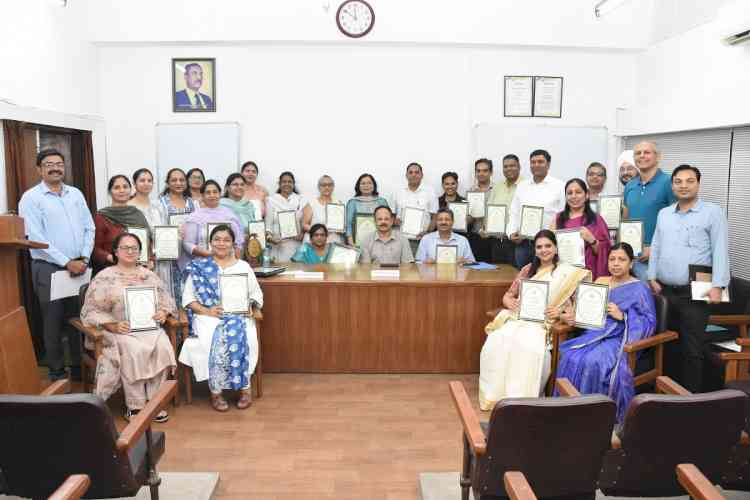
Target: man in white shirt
542	190
416	195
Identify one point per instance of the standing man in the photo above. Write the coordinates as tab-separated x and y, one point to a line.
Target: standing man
481	244
416	195
644	196
502	194
192	97
541	190
596	179
57	215
386	245
427	252
691	231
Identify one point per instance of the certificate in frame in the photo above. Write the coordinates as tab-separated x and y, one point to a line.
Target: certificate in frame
460	211
631	232
178	219
140	308
342	254
518	96
411	222
288	226
610	209
591	305
258	228
496	220
210	227
166	242
142	234
533	297
446	254
234	293
364	224
548	92
570	247
532	220
477	201
336	217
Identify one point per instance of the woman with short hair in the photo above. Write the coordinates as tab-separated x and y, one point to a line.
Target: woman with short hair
315	210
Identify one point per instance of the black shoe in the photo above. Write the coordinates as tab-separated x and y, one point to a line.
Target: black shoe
75	374
55	375
130	414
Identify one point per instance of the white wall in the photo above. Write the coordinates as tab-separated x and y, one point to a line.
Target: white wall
347	109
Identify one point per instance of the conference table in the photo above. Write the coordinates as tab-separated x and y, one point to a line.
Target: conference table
333	318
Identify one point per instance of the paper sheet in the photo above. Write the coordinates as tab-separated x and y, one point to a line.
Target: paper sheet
64	285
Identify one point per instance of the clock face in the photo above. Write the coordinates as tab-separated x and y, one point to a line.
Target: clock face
355	18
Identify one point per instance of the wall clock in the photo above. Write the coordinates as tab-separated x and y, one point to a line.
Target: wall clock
355	18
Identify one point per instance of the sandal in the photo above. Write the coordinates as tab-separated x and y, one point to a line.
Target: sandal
219	403
245	400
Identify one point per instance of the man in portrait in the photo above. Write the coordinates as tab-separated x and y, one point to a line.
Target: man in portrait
191	97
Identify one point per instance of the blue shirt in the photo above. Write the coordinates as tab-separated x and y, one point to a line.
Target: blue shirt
645	200
61	220
306	255
698	236
428	247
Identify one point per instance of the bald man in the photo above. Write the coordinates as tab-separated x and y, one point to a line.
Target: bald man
644	196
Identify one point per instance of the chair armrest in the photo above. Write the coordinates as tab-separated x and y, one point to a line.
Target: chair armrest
615	442
696	484
72	489
517	487
734	356
729	319
559	328
566	388
257	314
742	341
138	424
666	385
93	333
469	419
659	338
56	388
491	314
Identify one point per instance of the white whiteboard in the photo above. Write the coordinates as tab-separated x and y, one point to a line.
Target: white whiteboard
572	148
212	147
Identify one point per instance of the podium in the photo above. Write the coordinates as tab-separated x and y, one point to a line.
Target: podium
18	367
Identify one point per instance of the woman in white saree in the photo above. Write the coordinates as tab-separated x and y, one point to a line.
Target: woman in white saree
515	358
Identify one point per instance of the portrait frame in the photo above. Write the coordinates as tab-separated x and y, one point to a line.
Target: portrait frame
181	103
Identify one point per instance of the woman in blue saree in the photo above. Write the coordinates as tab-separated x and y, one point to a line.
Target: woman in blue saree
595	361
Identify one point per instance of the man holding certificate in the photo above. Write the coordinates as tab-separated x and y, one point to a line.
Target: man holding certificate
691	231
502	194
481	242
428	247
541	190
419	196
386	245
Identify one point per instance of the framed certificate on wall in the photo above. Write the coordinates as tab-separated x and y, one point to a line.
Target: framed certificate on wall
518	96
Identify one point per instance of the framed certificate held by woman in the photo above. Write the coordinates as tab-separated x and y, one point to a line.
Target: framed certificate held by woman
533	297
336	217
140	308
288	227
166	242
234	293
341	254
591	305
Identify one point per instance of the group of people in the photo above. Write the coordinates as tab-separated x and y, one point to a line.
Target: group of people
222	348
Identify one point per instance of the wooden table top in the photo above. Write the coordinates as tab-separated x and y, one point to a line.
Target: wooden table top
410	274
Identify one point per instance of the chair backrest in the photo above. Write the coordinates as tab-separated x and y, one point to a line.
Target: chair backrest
662	313
82	294
45	439
18	367
558	444
662	431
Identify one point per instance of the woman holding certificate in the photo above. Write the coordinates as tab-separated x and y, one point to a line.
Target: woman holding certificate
284	219
254	192
593	228
317	211
196	241
128	303
221	296
595	361
114	220
317	250
515	359
365	201
234	199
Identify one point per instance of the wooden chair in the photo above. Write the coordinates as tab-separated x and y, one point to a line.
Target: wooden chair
46	439
664	430
72	489
90	356
517	487
186	372
696	484
558	444
561	332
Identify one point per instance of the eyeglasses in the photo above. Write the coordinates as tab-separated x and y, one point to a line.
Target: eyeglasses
132	249
50	164
325	184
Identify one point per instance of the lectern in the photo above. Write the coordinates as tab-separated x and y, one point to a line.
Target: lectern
18	366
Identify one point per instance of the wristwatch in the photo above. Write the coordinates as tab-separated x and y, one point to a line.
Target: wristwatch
84	259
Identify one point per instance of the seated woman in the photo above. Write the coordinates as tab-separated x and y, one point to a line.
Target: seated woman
195	242
594	230
515	358
595	361
366	200
140	361
317	250
222	348
112	221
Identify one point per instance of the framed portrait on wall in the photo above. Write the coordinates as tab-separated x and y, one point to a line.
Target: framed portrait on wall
193	85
